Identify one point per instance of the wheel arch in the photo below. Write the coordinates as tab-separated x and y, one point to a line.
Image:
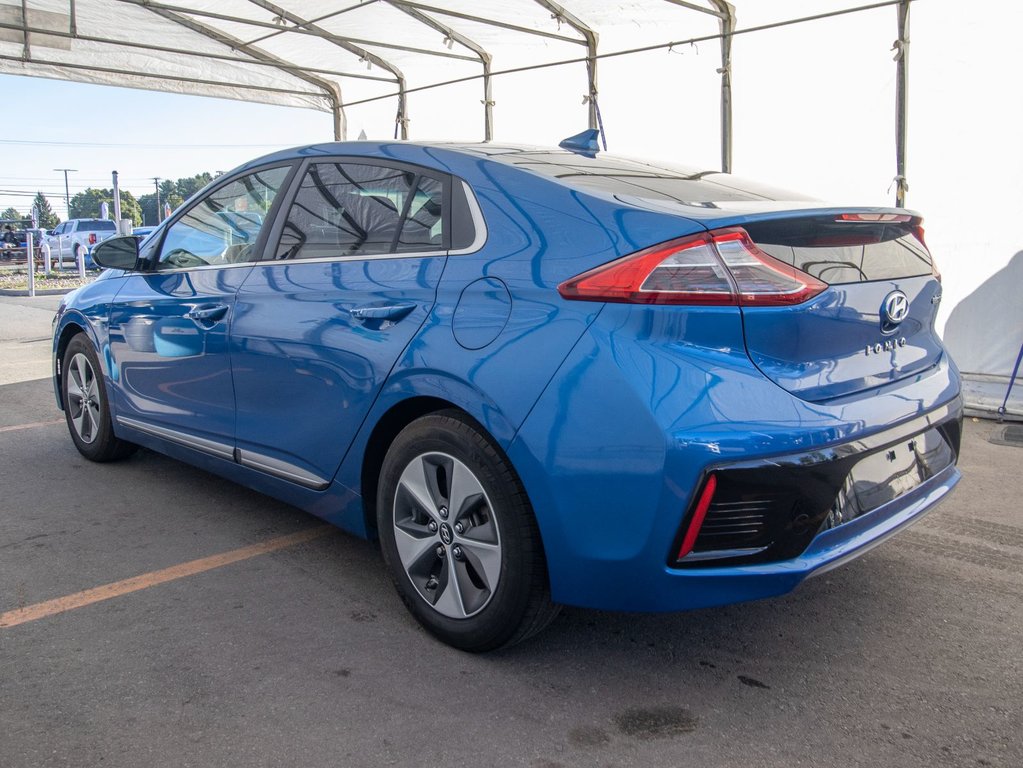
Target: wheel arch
386	429
70	329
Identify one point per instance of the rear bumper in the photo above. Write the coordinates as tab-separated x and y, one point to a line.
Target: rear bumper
682	590
615	451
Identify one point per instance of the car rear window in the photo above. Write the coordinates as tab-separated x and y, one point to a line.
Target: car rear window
845	252
623	176
98	225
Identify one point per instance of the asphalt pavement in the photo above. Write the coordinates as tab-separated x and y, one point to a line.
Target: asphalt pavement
223	644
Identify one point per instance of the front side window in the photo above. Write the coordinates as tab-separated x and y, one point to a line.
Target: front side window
223	227
353	209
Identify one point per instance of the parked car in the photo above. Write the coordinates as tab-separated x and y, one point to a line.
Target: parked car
540	377
71	239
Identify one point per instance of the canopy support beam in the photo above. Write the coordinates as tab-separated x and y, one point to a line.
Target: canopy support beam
330	88
488	22
484	57
312	30
901	104
402	117
290	68
726	21
590	37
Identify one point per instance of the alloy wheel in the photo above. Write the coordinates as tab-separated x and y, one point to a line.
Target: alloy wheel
83	398
447	535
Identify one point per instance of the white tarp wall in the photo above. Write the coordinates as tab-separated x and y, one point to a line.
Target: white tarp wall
814	103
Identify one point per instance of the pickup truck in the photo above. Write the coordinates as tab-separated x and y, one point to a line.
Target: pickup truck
72	239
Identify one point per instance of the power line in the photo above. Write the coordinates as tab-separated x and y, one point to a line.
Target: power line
133	146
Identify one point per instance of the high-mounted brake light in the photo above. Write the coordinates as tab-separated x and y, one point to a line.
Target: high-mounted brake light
723	267
873	218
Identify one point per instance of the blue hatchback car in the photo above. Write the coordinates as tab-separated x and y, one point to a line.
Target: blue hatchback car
539	377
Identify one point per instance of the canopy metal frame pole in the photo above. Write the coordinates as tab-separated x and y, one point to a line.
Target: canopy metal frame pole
279	65
726	21
484	57
331	89
725	14
312	30
901	103
590	38
28	38
488	21
402	118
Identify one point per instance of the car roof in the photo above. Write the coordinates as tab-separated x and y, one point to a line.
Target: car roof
597	173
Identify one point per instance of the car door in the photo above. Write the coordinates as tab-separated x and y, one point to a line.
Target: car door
170	322
54	241
67	240
351	276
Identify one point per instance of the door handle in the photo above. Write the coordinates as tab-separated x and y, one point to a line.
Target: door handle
393	312
208	314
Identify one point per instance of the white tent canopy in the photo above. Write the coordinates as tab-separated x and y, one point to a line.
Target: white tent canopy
326	54
339	55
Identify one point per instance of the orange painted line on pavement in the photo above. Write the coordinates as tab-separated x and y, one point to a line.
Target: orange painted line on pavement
146	580
33	425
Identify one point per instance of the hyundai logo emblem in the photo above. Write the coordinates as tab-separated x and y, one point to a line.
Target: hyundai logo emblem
894	310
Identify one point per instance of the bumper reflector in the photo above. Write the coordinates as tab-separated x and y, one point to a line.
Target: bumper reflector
706	496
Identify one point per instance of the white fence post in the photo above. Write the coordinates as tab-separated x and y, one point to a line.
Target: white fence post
31	264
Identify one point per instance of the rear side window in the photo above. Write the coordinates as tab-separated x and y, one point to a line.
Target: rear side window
98	225
353	209
845	252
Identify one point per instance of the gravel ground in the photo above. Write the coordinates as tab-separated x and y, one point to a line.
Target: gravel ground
17	280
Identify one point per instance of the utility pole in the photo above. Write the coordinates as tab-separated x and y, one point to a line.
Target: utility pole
156	183
67	192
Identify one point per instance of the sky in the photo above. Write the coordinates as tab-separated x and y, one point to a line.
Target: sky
140	134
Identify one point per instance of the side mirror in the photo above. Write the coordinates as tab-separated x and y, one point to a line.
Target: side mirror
117	253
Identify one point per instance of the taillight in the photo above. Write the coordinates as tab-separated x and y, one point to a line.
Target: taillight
723	267
92	238
918	231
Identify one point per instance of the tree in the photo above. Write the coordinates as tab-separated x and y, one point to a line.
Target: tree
47	218
173	193
11	213
88	204
188	187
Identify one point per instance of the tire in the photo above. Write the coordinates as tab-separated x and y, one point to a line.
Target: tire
473	576
86	407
